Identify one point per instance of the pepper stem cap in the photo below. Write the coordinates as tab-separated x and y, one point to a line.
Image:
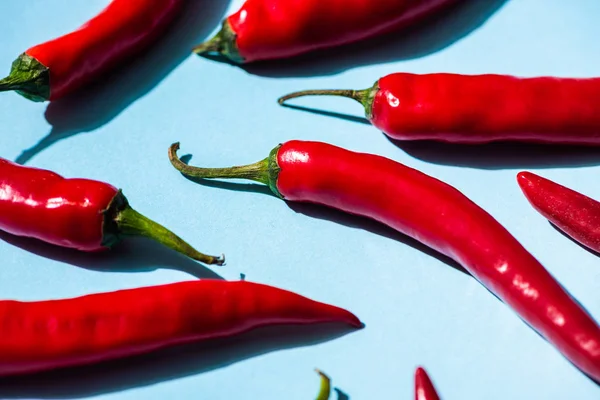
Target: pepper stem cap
29	78
122	220
223	44
265	171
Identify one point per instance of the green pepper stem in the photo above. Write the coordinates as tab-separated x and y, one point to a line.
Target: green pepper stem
258	172
223	43
132	223
29	78
325	389
358	95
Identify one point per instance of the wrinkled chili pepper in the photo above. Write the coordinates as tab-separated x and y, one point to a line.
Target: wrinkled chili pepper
435	214
44	335
479	108
272	29
424	389
116	35
83	214
572	212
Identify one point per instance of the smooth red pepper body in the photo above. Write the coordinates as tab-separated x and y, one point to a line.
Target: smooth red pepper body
474	109
83	214
424	389
272	29
572	212
435	214
114	36
44	205
38	336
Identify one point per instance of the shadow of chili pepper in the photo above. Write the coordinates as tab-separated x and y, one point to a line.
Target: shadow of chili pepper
132	255
492	156
433	35
165	365
341	395
594	252
501	155
96	105
369	225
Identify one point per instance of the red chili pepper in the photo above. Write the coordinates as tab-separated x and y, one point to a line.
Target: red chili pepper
82	214
272	29
120	32
43	335
480	108
435	214
424	389
574	213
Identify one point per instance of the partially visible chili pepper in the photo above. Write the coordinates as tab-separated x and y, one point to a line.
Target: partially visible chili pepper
424	389
44	335
572	212
325	388
435	214
83	214
123	30
480	108
272	29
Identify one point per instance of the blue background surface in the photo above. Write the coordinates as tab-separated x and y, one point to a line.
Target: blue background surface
416	308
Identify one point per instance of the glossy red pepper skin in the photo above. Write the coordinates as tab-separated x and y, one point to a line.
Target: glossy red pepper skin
424	389
275	29
116	35
44	335
437	215
82	214
44	205
572	212
474	109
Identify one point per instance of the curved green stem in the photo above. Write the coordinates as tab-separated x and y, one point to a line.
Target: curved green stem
364	96
358	95
122	220
325	389
265	171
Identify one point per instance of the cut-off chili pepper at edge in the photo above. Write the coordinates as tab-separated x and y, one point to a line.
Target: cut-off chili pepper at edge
325	388
116	35
575	214
83	214
44	335
274	29
435	214
473	109
424	389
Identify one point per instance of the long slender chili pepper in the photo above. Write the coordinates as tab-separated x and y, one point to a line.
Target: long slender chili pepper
83	214
272	29
116	35
424	389
572	212
435	214
479	108
45	335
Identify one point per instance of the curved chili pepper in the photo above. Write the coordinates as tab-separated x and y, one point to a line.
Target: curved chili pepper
479	108
116	35
572	212
83	214
437	215
272	29
43	335
424	389
325	388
